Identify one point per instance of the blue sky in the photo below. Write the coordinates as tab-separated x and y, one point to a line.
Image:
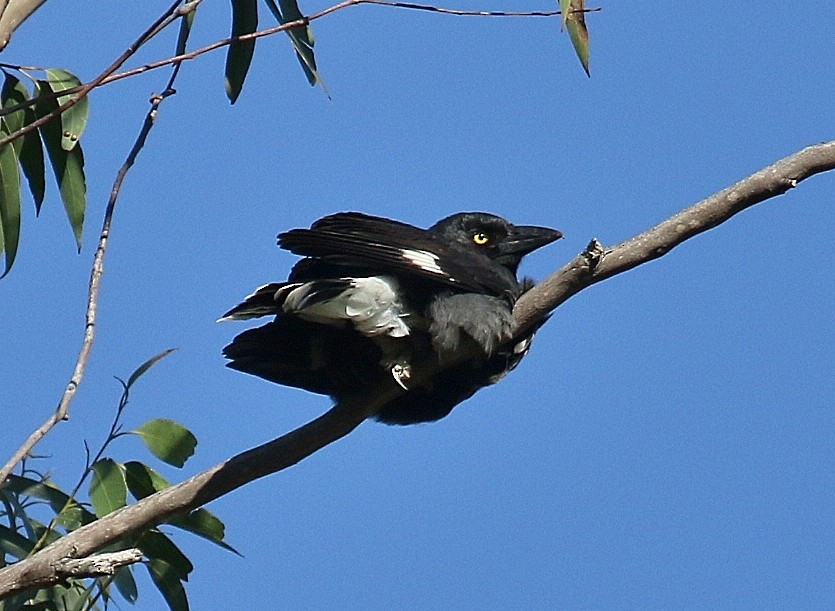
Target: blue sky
669	440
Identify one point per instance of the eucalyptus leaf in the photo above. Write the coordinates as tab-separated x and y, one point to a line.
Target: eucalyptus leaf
157	546
73	119
169	585
28	148
239	55
142	480
126	584
204	524
108	490
167	440
9	202
68	166
185	30
147	365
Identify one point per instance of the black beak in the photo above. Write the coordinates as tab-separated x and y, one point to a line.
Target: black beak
525	239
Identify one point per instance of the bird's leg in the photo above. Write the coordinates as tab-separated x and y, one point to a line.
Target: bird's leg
396	359
401	372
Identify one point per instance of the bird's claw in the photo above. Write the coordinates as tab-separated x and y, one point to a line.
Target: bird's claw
401	372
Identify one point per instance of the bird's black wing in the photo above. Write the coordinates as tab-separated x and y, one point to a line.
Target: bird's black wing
354	240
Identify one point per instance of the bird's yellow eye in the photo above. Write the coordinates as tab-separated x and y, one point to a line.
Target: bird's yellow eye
481	238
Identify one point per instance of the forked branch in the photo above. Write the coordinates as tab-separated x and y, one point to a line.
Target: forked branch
595	264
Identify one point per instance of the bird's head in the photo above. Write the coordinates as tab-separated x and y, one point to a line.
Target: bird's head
498	239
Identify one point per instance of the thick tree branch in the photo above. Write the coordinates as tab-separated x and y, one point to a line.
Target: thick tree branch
597	263
591	266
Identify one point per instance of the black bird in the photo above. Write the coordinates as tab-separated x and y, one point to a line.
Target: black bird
373	295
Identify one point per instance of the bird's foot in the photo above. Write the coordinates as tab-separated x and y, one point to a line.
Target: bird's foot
401	372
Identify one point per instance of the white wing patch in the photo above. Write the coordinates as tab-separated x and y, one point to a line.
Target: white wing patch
370	304
424	260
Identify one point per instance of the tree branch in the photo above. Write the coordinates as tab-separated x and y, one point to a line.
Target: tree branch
99	565
593	265
109	75
96	272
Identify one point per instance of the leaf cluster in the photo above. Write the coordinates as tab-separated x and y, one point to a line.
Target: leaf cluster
26	498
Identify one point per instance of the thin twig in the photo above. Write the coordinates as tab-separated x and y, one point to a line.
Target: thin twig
93	293
298	23
172	14
343	418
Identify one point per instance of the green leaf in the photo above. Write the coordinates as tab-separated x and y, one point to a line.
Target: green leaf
67	165
108	490
302	37
14	544
185	30
29	148
12	94
157	546
239	56
204	524
167	440
125	583
46	491
9	202
74	119
147	365
142	480
574	20
169	585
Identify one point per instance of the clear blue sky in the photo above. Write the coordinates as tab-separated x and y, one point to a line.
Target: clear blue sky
670	440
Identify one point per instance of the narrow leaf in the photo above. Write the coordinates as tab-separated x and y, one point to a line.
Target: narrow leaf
29	148
185	31
169	585
67	165
156	545
9	202
126	584
108	490
14	544
147	365
142	480
301	38
574	20
167	440
239	56
12	94
204	524
74	119
45	491
32	162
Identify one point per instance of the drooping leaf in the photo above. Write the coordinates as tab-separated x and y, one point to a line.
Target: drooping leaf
239	56
205	524
108	490
147	365
14	544
169	585
301	37
74	119
142	480
167	440
9	201
574	20
45	491
13	93
157	546
185	30
29	148
126	584
68	166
